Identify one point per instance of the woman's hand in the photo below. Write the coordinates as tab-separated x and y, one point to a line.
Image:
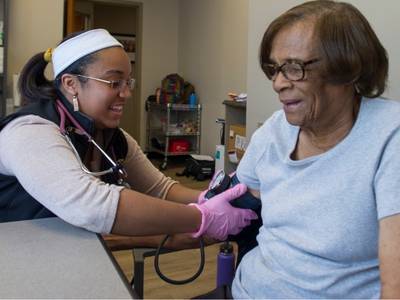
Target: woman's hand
220	218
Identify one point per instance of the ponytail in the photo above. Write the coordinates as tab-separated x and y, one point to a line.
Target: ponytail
32	83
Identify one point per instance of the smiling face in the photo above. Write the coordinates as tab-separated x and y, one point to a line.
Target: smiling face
310	103
99	100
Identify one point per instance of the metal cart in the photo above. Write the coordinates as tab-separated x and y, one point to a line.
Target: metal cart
170	123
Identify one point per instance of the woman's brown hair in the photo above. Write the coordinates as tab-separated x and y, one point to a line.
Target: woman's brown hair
349	49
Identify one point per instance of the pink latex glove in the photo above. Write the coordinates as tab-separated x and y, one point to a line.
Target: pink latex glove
201	199
220	218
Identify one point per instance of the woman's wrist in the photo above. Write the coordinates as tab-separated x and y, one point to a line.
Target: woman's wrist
197	216
200	229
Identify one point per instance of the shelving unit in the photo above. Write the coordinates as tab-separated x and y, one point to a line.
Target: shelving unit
235	114
169	123
3	55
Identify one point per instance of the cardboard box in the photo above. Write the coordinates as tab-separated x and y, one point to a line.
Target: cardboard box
237	142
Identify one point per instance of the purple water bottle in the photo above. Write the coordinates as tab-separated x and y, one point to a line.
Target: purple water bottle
225	265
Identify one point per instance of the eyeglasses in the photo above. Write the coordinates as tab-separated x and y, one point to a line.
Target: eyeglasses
292	70
120	84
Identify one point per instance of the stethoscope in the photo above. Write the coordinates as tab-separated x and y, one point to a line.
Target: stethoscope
120	171
115	168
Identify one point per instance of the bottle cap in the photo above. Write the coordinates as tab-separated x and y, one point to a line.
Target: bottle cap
192	99
226	248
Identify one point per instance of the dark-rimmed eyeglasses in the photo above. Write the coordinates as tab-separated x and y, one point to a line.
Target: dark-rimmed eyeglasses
119	85
292	70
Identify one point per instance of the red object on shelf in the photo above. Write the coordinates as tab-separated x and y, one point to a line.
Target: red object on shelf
178	145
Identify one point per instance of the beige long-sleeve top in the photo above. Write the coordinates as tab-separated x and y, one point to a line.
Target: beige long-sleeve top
33	150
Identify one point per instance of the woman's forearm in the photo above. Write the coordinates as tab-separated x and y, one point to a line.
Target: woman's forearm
181	194
139	214
175	242
122	242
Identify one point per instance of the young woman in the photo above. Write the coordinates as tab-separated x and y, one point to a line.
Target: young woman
63	154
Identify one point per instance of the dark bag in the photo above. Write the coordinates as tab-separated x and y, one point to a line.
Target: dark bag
172	87
199	169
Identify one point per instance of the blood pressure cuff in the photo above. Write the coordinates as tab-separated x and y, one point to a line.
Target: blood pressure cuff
246	239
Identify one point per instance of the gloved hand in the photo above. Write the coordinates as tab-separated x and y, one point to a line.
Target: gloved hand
220	218
201	199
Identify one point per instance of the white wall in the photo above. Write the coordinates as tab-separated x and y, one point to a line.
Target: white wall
212	56
33	27
383	16
159	47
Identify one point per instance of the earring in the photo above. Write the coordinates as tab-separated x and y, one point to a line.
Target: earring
75	103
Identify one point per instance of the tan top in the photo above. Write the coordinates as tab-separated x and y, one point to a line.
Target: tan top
33	150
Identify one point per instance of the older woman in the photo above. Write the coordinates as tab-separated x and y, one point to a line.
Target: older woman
327	164
64	155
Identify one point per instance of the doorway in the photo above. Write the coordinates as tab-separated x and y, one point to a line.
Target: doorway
122	18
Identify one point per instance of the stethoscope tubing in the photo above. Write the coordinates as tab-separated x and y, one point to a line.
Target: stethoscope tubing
65	113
